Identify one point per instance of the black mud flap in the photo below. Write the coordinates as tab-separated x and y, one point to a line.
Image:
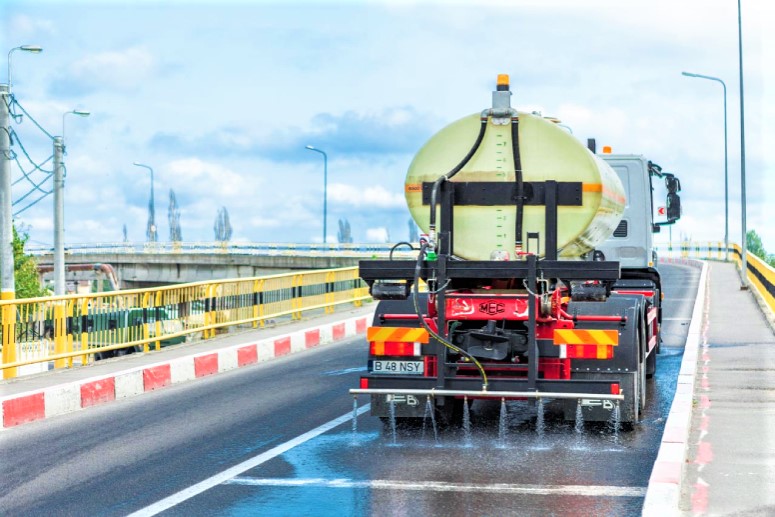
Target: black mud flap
412	406
597	410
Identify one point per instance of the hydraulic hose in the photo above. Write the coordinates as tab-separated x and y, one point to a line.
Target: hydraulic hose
450	174
398	245
520	184
427	327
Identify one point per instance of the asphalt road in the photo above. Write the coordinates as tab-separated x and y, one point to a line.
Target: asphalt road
127	456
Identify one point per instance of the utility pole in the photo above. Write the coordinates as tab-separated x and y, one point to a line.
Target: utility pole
7	287
59	216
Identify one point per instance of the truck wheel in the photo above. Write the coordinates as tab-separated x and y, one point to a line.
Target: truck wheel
641	388
651	364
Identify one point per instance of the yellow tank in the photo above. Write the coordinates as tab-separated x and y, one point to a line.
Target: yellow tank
547	152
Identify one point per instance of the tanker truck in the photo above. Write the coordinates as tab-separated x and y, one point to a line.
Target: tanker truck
539	276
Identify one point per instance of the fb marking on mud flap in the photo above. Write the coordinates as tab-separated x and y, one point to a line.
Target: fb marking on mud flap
605	404
409	400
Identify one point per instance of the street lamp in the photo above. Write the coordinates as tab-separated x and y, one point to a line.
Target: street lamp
7	283
726	161
325	187
34	49
59	205
80	113
744	266
151	231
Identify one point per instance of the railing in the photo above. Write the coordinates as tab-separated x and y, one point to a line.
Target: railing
760	274
64	331
237	248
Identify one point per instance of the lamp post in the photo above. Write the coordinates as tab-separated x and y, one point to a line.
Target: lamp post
7	282
59	205
34	49
80	113
726	161
325	187
744	267
151	231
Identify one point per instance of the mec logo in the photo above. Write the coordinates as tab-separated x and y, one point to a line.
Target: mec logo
492	308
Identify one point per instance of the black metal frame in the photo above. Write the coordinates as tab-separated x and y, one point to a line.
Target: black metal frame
449	272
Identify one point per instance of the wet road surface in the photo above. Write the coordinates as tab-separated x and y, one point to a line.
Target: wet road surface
266	441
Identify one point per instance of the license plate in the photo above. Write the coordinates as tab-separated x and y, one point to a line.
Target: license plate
397	367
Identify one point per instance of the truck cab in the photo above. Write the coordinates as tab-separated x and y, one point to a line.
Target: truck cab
632	242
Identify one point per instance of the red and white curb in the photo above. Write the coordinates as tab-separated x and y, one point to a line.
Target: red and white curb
65	398
663	495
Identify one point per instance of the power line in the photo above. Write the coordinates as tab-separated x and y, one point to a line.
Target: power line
17	118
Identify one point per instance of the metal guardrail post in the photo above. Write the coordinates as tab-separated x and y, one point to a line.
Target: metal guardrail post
261	308
69	330
8	327
330	297
146	325
59	333
157	320
296	303
256	300
211	319
85	358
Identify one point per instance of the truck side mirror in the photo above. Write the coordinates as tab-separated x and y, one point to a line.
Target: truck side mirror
673	205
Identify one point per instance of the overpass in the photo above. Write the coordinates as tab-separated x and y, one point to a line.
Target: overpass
153	264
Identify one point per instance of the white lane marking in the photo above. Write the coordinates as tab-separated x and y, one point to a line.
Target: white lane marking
221	477
441	486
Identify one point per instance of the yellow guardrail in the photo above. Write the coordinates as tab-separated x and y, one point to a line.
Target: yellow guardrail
760	274
75	329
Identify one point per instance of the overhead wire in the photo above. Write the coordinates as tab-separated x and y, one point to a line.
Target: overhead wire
14	102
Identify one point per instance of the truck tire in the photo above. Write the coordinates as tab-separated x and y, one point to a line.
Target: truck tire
641	388
651	364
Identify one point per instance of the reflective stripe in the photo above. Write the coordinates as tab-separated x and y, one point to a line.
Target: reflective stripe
590	351
397	334
586	337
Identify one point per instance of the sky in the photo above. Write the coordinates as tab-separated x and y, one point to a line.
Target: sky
221	98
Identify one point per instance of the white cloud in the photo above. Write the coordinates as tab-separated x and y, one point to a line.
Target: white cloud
121	69
377	235
376	196
213	179
27	25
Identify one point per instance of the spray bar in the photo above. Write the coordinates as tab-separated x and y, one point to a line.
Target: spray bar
487	394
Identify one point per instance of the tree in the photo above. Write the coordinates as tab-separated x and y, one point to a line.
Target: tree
222	226
755	246
344	235
173	216
26	280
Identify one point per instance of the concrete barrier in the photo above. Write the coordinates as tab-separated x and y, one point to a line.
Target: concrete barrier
663	494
